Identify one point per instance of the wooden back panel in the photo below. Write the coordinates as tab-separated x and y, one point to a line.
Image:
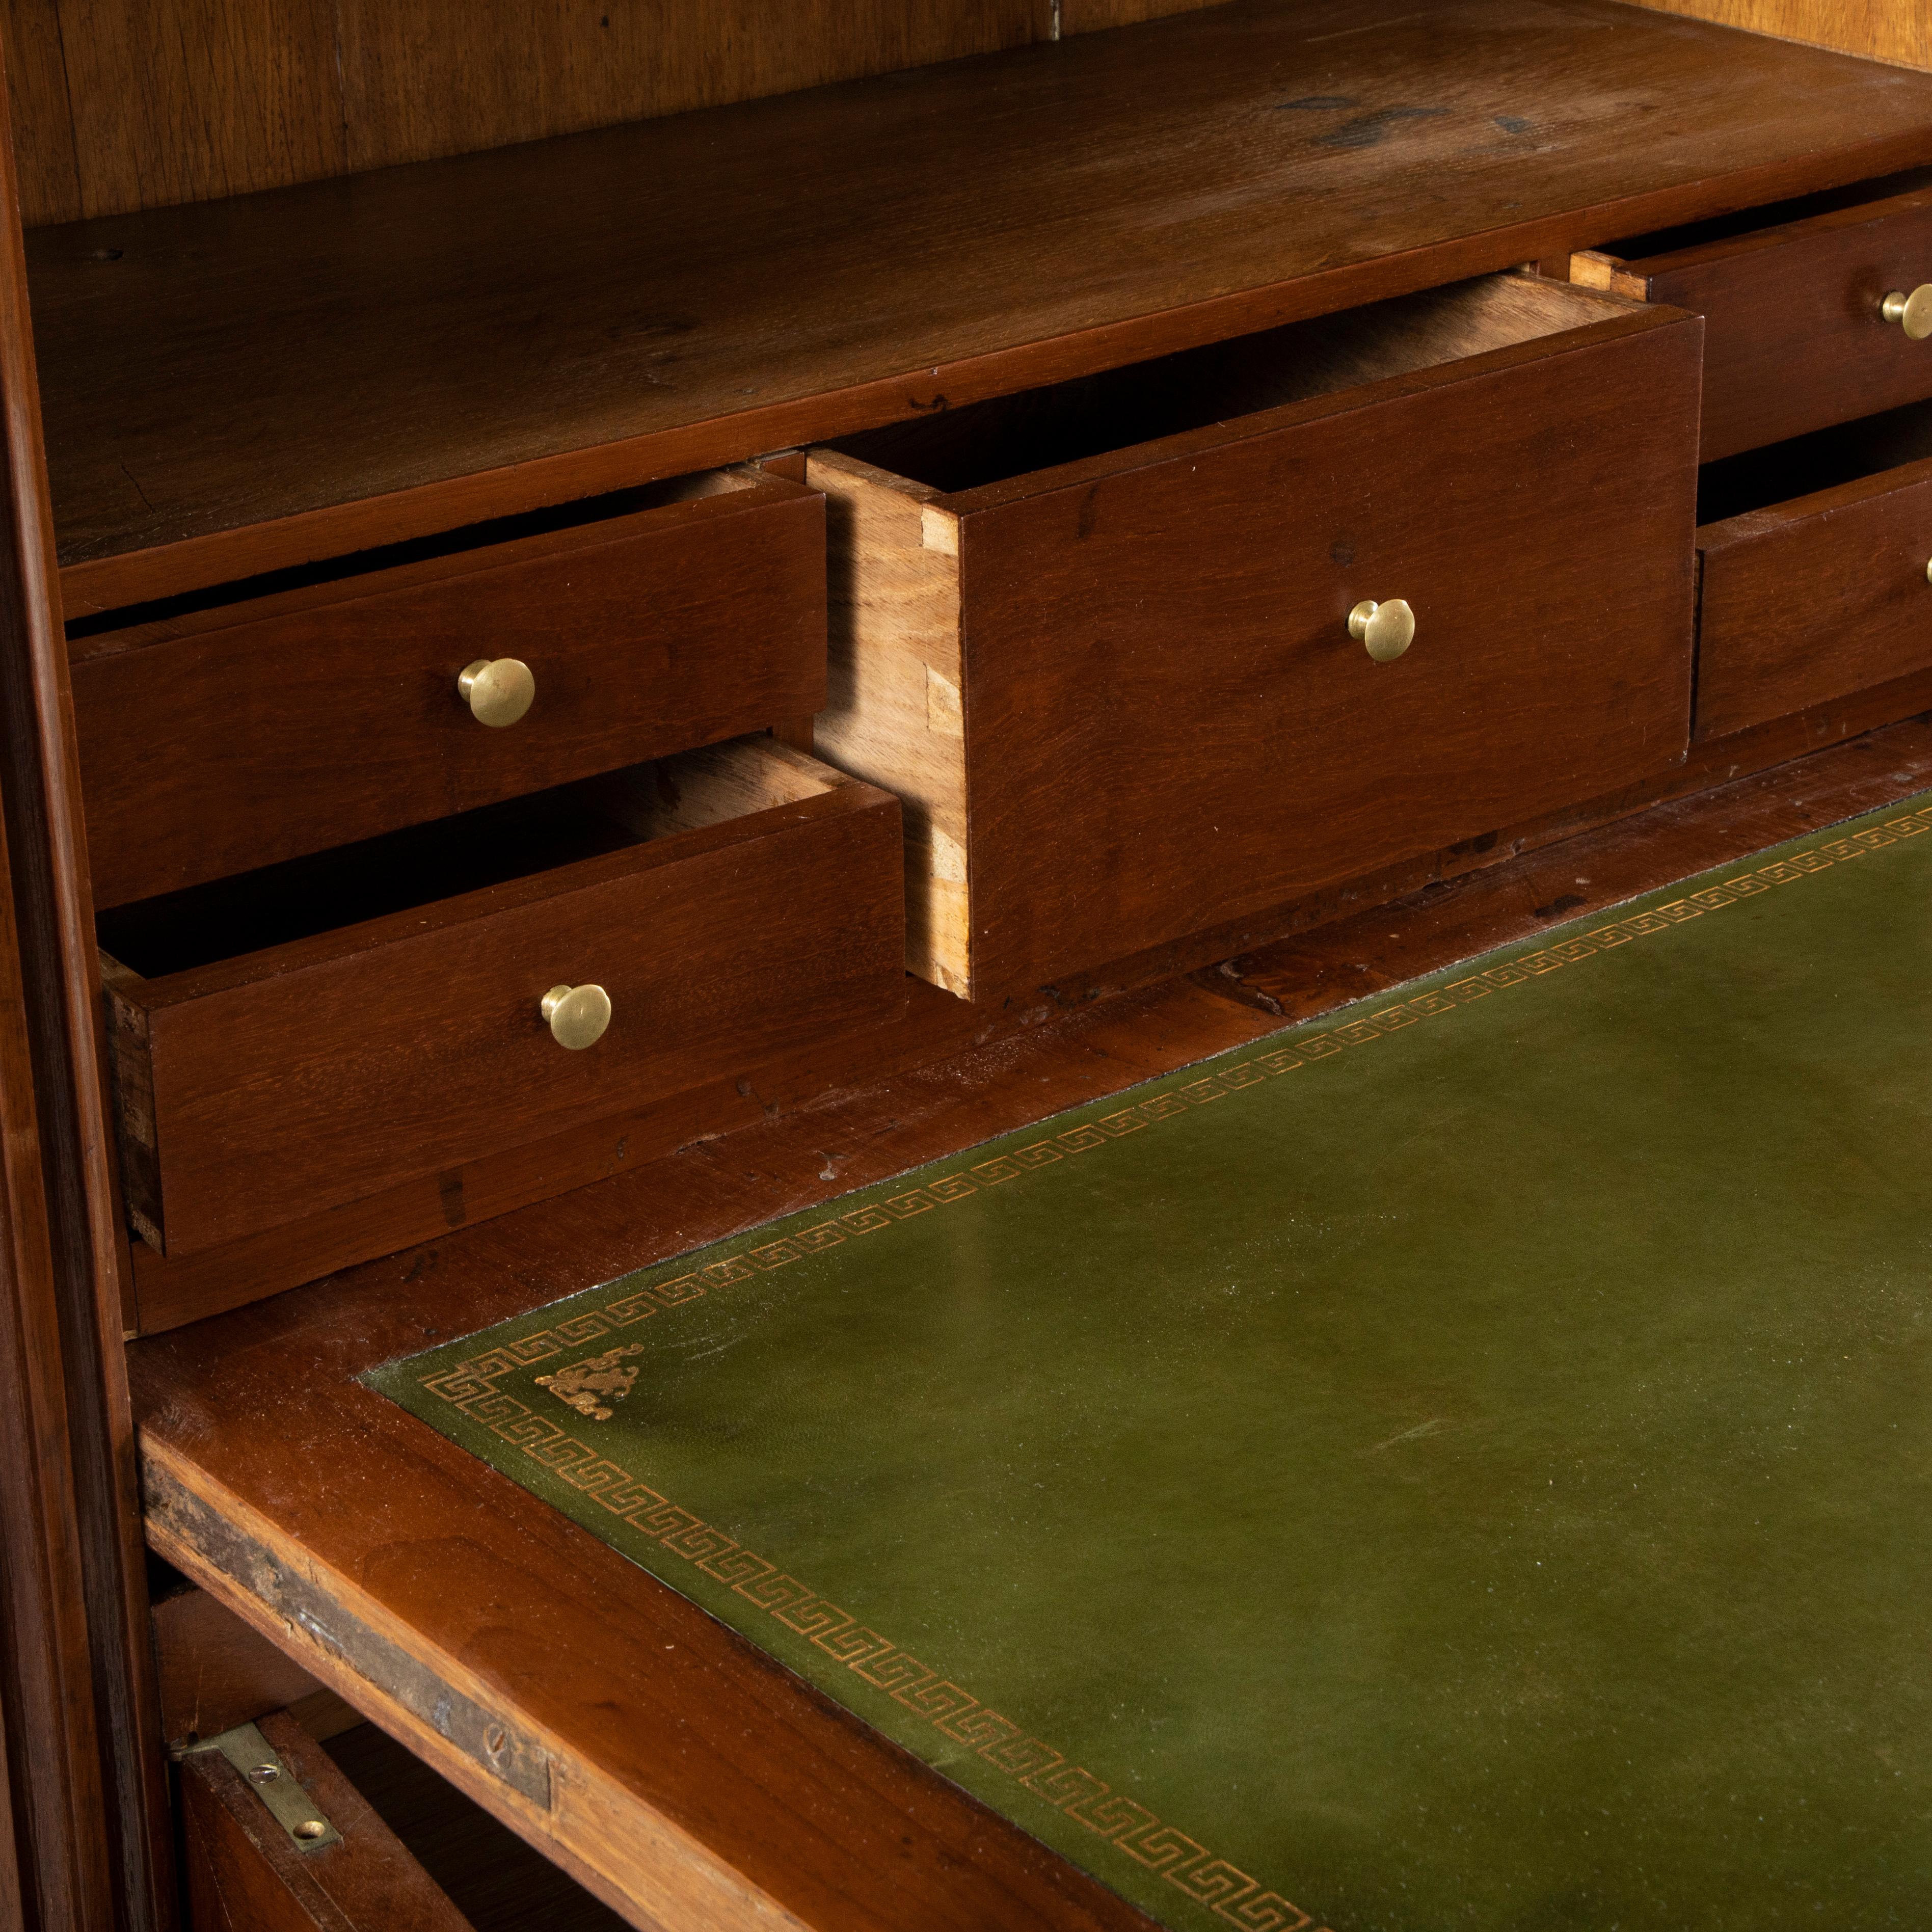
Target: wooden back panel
126	104
1899	30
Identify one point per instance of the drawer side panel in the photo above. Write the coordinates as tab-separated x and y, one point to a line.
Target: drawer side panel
894	712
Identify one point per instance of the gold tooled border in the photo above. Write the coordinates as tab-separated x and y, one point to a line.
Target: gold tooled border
1128	1826
1122	1822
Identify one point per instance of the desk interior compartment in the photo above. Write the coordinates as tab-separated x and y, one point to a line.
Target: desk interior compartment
225	731
1793	297
303	1035
1097	636
1814	565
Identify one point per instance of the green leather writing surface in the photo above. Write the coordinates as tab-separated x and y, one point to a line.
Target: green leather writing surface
1464	1462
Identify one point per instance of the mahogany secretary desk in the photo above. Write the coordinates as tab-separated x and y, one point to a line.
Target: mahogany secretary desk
531	522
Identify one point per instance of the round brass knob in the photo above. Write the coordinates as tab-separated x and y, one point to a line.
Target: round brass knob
498	690
1388	629
1912	313
578	1014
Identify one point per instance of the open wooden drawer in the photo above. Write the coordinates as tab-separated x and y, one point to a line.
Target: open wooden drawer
1098	637
308	1034
229	730
1798	332
1814	559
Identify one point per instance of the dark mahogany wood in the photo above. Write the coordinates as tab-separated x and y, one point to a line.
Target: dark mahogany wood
1828	595
84	1840
1167	723
1793	337
714	1758
1823	589
213	1671
261	1082
216	743
244	1876
1359	958
492	1876
240	386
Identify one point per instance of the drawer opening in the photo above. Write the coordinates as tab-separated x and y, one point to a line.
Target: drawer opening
1093	415
1756	221
494	845
1824	459
496	530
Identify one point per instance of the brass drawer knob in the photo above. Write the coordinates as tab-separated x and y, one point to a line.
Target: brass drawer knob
1912	313
498	690
1388	629
577	1015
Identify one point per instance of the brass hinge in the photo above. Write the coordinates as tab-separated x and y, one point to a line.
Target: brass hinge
261	1766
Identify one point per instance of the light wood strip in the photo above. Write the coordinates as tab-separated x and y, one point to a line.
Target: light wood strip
1899	31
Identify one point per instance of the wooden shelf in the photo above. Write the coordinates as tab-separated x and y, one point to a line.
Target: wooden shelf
237	386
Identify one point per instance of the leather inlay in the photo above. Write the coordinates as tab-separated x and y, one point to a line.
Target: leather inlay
1477	1480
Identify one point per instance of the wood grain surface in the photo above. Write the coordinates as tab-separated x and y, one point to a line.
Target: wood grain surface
214	1672
123	106
45	160
1885	30
1249	750
1823	595
142	104
84	1836
894	714
254	731
261	1082
713	1762
1793	338
236	386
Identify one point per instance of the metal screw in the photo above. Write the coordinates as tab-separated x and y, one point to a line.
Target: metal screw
493	1739
265	1774
310	1828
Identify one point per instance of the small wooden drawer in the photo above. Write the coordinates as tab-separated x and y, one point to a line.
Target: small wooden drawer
301	1036
1814	559
221	739
1795	335
1117	687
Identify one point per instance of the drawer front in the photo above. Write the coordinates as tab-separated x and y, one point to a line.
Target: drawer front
1814	600
1794	339
317	718
277	1087
1169	725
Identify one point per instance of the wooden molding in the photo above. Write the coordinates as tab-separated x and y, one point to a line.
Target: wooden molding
75	1672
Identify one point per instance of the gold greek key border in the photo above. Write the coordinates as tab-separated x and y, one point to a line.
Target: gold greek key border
1127	1826
1122	1822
